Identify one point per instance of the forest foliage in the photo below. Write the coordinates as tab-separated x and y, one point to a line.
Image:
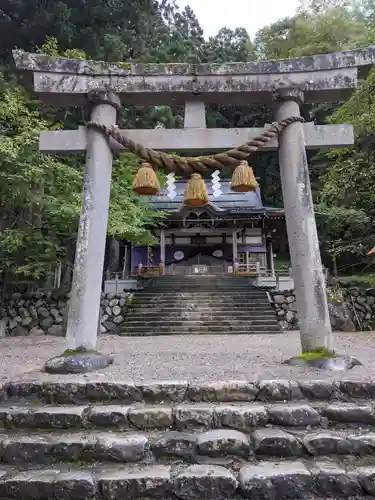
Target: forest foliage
40	195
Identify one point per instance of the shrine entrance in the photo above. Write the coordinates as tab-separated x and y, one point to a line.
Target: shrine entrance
201	263
107	87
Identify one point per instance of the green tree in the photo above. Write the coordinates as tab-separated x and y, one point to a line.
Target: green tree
113	30
39	196
319	27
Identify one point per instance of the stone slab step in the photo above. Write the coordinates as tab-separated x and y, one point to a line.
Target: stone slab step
158	317
154	332
129	333
201	293
204	293
199	315
223	311
219	306
198	279
181	289
184	287
190	316
187	445
203	297
207	303
147	313
180	391
264	480
185	322
243	417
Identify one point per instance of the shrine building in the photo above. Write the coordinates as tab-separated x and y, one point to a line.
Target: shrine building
231	233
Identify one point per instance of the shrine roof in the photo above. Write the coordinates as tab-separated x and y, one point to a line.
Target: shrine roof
226	202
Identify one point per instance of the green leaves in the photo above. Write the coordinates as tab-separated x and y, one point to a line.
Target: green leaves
342	230
130	216
39	196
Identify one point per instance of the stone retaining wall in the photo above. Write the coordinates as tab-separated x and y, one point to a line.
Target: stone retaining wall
350	309
40	313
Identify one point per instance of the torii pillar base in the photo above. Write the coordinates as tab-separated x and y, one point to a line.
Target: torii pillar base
80	361
333	363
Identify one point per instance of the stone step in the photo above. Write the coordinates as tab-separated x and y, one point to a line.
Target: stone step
203	294
184	278
201	280
204	289
80	391
177	308
203	303
204	309
206	304
182	287
245	417
187	445
209	299
213	302
260	481
155	315
152	333
232	323
147	314
150	330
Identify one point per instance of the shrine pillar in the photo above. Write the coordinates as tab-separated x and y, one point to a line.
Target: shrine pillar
271	258
309	282
234	249
84	304
162	249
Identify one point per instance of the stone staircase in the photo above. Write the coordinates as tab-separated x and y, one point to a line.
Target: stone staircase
200	441
200	305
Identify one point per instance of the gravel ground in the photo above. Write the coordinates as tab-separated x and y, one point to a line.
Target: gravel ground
208	357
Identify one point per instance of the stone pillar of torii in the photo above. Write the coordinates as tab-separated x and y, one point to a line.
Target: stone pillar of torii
107	86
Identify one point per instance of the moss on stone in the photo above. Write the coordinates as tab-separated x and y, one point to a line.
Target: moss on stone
319	353
125	65
79	350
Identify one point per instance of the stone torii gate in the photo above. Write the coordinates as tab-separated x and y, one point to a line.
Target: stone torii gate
106	86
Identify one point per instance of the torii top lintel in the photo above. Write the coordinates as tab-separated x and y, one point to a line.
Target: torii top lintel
324	78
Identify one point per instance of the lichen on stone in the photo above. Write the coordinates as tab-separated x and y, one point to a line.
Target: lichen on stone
79	350
125	65
318	353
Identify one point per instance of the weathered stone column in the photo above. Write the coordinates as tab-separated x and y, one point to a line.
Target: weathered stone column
84	304
310	288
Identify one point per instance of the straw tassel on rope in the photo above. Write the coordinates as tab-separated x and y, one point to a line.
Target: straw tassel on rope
243	179
196	191
145	181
